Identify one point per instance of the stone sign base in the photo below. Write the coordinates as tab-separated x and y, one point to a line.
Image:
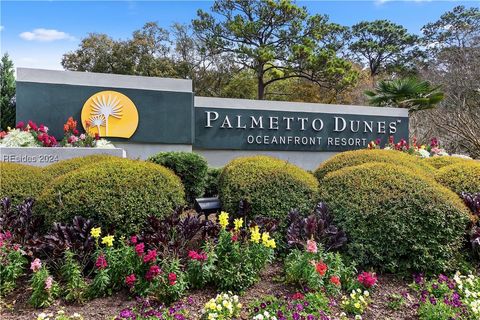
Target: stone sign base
45	156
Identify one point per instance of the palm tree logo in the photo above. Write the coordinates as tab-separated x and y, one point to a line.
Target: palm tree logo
97	121
106	106
111	113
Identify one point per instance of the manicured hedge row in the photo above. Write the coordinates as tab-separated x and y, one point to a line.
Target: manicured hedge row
443	161
189	166
65	166
353	158
460	177
118	193
19	181
271	186
395	220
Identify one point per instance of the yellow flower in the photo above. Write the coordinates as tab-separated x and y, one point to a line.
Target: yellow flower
271	244
223	219
255	234
108	240
265	237
95	232
238	224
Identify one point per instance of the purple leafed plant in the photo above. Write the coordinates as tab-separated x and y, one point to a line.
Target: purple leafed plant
318	225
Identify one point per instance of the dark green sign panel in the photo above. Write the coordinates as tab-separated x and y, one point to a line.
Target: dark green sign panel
164	116
249	129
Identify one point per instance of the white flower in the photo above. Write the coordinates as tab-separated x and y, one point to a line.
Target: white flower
104	144
19	138
424	153
461	156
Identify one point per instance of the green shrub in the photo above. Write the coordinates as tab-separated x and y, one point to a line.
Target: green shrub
211	182
395	220
271	186
460	177
59	168
19	181
353	158
189	166
443	161
119	194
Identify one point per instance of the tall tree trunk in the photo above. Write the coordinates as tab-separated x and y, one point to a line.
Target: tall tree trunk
261	89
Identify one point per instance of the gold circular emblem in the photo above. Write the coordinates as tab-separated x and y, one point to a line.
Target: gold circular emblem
110	114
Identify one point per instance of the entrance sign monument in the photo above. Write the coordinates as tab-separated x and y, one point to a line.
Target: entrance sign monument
145	115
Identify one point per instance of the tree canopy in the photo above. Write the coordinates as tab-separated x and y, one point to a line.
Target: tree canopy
7	92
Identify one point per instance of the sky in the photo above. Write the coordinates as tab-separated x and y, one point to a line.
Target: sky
37	33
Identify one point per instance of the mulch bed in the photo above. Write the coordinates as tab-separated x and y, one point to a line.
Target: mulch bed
15	306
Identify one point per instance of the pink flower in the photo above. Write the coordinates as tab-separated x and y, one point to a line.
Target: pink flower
32	125
150	256
48	283
140	249
133	239
172	278
16	247
312	246
101	262
82	136
152	272
367	279
193	255
36	265
130	280
20	125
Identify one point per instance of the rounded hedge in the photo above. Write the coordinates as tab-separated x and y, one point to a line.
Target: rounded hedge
395	220
460	177
59	168
357	157
443	161
271	186
211	182
189	166
19	181
118	194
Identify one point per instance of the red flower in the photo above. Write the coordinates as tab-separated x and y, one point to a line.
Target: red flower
133	239
298	296
20	125
130	280
75	132
101	262
234	237
150	256
32	125
140	249
97	137
16	247
335	280
152	272
2	134
367	279
321	268
172	278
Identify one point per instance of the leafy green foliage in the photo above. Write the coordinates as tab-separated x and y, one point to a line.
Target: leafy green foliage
409	93
19	181
395	219
75	285
65	166
211	182
42	296
271	186
277	40
12	263
382	45
190	167
118	194
357	157
315	270
460	177
238	263
7	93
